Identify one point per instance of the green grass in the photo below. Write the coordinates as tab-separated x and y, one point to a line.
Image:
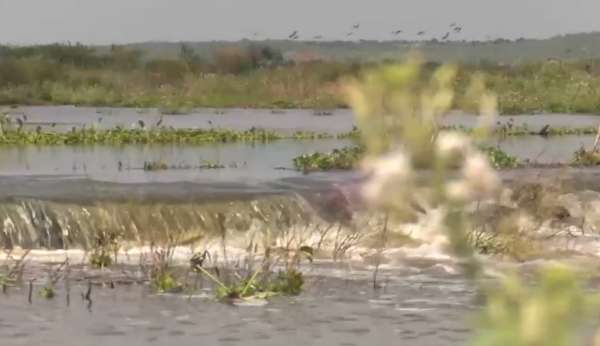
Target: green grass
551	86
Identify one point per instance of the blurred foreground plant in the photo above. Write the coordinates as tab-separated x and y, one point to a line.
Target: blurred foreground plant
412	164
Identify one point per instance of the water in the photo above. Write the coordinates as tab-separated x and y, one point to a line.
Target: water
59	197
342	310
244	162
341	120
545	150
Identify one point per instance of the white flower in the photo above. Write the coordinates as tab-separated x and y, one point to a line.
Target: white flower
451	142
479	180
390	171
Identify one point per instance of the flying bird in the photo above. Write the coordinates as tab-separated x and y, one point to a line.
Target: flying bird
421	33
293	35
397	32
349	34
452	25
458	29
446	36
141	123
159	122
356	26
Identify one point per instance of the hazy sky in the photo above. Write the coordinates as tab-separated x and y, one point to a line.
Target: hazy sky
120	21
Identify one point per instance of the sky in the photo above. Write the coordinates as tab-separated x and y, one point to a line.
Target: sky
125	21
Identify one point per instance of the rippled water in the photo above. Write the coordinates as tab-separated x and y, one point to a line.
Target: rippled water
418	306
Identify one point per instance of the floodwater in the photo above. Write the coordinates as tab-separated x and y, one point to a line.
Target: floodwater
56	193
241	162
544	150
340	120
418	305
245	162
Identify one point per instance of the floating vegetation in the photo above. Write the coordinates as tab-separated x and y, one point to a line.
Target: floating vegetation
155	166
345	158
499	158
165	282
120	136
160	165
213	165
47	292
349	157
288	282
101	259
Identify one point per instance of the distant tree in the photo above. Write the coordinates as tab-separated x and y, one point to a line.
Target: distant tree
189	56
124	58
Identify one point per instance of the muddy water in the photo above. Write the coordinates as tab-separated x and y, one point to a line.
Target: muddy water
242	161
537	149
57	197
340	120
419	305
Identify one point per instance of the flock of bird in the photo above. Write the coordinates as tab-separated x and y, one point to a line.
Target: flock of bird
453	29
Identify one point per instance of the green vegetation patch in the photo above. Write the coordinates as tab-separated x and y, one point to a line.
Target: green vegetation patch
349	158
583	157
119	136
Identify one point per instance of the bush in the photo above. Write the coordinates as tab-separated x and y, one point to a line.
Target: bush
166	71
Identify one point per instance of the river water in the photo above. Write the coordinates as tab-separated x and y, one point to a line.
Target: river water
419	305
55	198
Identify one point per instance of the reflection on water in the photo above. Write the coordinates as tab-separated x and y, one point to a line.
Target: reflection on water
556	149
243	161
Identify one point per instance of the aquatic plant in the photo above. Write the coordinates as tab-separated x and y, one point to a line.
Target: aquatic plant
118	136
350	158
583	157
499	158
345	158
11	271
258	285
101	259
155	165
48	290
